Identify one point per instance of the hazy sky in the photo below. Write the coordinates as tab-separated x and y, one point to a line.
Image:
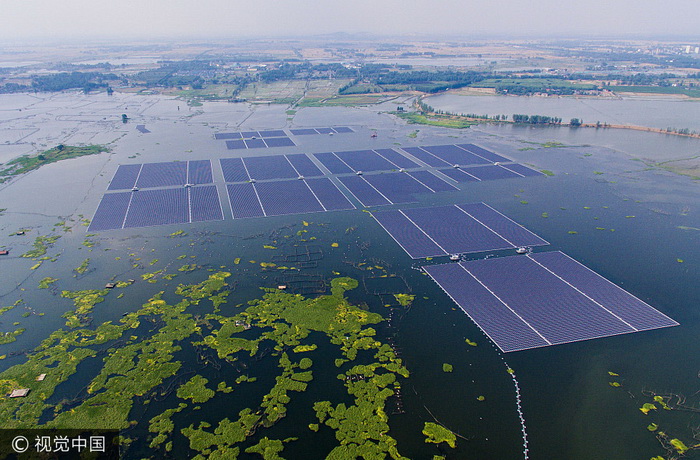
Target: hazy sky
26	19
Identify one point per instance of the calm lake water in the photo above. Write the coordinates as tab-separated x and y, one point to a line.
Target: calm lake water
655	112
634	225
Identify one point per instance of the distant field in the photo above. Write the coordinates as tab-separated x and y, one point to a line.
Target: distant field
656	90
364	99
533	84
287	91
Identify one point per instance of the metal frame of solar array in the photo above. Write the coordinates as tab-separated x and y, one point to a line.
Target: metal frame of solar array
454	229
543	299
333	130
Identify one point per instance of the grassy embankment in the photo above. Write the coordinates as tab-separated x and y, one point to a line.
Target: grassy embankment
27	163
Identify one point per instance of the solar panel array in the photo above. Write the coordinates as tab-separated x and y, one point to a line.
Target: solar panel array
251	134
276	198
268	167
257	143
146	208
311	131
454	229
167	174
460	154
543	299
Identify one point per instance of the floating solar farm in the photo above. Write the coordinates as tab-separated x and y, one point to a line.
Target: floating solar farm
311	131
543	299
454	229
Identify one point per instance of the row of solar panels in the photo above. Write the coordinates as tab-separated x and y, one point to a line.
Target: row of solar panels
273	133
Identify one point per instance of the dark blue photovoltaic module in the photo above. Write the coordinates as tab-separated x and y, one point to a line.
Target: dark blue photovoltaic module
333	163
396	158
205	204
397	187
328	194
303	165
279	142
365	160
491	172
223	136
234	170
458	175
235	144
111	212
411	239
269	167
244	201
255	143
158	207
199	172
433	182
455	156
287	197
487	154
364	192
125	177
162	174
523	170
426	157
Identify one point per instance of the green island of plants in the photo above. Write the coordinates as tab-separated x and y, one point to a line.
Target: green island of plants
27	163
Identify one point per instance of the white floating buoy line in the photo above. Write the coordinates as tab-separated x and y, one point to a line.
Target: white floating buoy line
521	416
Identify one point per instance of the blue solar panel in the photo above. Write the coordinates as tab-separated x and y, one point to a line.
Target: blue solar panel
458	175
255	143
199	172
269	167
303	131
333	163
431	181
396	158
621	303
498	322
244	201
324	130
304	165
363	191
455	231
365	160
506	228
163	174
279	142
234	145
249	134
221	136
455	156
329	195
491	172
560	313
272	133
523	170
158	207
111	212
287	197
425	157
487	154
234	170
342	129
416	243
205	204
125	177
397	187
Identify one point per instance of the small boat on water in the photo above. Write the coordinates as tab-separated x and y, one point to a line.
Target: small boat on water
522	250
455	257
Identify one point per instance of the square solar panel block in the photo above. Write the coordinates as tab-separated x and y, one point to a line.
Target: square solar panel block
411	239
524	170
398	187
456	156
619	302
255	143
454	231
269	167
458	175
329	195
511	231
541	293
244	201
234	170
365	160
342	129
272	133
235	145
433	182
303	131
110	212
303	165
325	130
223	136
205	204
364	192
158	207
199	172
487	154
491	172
396	158
279	142
249	134
425	157
125	177
163	174
333	163
287	197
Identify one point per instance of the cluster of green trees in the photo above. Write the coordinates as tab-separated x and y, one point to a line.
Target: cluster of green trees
536	119
71	80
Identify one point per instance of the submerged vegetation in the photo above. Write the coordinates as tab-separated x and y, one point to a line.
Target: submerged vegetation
27	163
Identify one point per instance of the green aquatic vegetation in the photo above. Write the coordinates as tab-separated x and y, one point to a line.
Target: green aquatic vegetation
523	202
27	163
223	388
41	245
446	367
405	300
614	384
36	265
267	246
481	398
162	425
47	282
88	243
437	434
269	449
151	276
680	261
187	268
613	374
9	337
547	172
153	262
572	232
662	402
304	348
652	427
196	390
334	245
680	447
647	407
305	363
177	233
180	257
545	215
470	343
84	302
82	268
